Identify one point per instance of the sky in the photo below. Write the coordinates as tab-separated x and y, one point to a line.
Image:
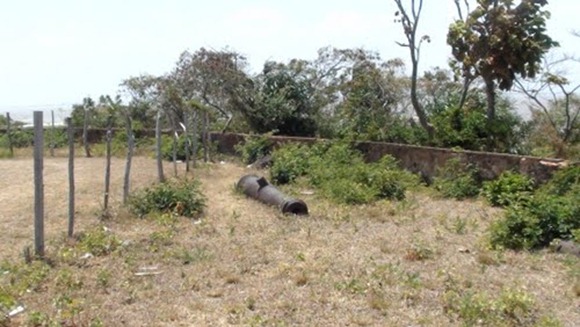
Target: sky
54	53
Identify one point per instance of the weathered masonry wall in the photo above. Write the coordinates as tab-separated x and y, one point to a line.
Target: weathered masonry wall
424	160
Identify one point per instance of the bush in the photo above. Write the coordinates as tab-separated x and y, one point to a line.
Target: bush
289	163
20	138
552	212
457	180
509	188
536	224
563	181
254	148
182	197
341	173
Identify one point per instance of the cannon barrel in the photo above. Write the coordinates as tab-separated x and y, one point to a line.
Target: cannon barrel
259	188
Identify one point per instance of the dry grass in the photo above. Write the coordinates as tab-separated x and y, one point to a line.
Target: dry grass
387	264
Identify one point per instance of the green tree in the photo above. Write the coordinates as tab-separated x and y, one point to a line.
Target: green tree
216	79
498	41
374	103
283	101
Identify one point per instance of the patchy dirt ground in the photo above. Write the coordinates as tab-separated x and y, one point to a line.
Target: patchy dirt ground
419	262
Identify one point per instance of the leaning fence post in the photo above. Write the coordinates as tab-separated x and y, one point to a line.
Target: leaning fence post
71	176
8	134
38	185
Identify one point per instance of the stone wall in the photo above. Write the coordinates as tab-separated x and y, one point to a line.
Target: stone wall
424	160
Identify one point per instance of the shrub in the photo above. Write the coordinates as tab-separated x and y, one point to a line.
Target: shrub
254	148
457	180
341	173
20	138
563	181
167	148
509	188
552	212
289	163
182	197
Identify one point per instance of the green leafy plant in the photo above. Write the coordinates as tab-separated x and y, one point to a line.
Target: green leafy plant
289	162
98	241
181	197
509	188
552	212
254	148
457	180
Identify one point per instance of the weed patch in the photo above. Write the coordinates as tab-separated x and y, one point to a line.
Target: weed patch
457	180
181	197
341	174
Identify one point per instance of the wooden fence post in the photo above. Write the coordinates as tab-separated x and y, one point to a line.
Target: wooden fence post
186	141
194	139
108	164
52	145
8	134
131	145
71	176
204	127
158	150
38	185
86	132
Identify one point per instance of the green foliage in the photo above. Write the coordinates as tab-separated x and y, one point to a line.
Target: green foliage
341	173
167	148
57	137
182	197
98	241
289	162
510	188
511	308
254	148
16	279
499	40
552	212
467	127
282	103
457	180
563	181
20	138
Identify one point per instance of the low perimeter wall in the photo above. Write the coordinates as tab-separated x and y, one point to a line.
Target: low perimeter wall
421	159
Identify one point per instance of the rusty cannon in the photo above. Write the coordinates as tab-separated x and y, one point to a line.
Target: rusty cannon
259	188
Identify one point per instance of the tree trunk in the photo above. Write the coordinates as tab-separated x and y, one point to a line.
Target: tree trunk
416	105
490	94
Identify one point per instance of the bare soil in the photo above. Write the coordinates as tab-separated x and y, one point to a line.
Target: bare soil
243	263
